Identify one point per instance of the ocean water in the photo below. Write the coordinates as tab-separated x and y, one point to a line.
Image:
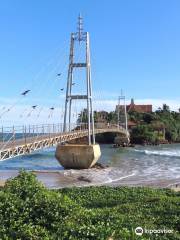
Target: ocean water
39	160
141	165
149	165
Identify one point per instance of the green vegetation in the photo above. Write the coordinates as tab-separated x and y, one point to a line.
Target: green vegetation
102	116
155	127
30	211
159	126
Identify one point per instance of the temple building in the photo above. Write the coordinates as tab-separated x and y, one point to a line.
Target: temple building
137	107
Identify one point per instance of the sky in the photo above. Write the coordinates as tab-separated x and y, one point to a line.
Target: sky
135	46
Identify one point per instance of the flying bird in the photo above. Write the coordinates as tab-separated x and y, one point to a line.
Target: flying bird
59	74
62	89
25	92
52	108
34	106
73	84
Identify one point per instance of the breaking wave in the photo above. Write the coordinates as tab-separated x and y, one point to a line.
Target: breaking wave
174	153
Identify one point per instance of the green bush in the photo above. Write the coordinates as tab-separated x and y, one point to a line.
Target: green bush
143	133
28	210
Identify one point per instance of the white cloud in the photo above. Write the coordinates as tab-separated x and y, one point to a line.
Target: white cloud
174	104
109	105
18	114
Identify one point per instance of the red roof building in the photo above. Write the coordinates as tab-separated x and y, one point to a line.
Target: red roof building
137	107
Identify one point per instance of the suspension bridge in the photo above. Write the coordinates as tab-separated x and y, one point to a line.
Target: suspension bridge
25	139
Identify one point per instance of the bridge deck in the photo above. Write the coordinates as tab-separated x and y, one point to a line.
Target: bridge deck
27	145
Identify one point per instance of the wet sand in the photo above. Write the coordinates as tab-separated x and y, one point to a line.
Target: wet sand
2	182
93	177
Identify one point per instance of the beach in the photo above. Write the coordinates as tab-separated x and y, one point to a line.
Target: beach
91	177
153	166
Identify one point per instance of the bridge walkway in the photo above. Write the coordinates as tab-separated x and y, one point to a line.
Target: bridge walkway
27	144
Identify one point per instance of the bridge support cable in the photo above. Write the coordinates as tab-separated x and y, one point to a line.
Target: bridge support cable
33	84
52	85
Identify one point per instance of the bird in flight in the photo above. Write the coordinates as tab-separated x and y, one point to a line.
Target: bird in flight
25	92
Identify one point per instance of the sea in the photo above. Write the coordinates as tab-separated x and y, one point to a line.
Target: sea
157	166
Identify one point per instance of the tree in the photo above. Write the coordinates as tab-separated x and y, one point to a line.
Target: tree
142	134
166	108
148	117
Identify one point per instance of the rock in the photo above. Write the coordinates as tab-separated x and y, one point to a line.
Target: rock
84	179
100	166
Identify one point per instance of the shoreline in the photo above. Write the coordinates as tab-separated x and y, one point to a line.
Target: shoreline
108	176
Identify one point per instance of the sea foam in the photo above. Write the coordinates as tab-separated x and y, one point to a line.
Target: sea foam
172	153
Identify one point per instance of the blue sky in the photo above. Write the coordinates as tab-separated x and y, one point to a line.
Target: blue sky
135	45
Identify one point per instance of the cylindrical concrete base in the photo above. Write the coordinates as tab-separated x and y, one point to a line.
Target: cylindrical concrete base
78	156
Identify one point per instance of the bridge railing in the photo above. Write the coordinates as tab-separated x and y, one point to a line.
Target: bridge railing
26	132
14	133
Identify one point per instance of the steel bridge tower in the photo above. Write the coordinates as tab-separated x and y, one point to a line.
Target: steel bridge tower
79	36
121	111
